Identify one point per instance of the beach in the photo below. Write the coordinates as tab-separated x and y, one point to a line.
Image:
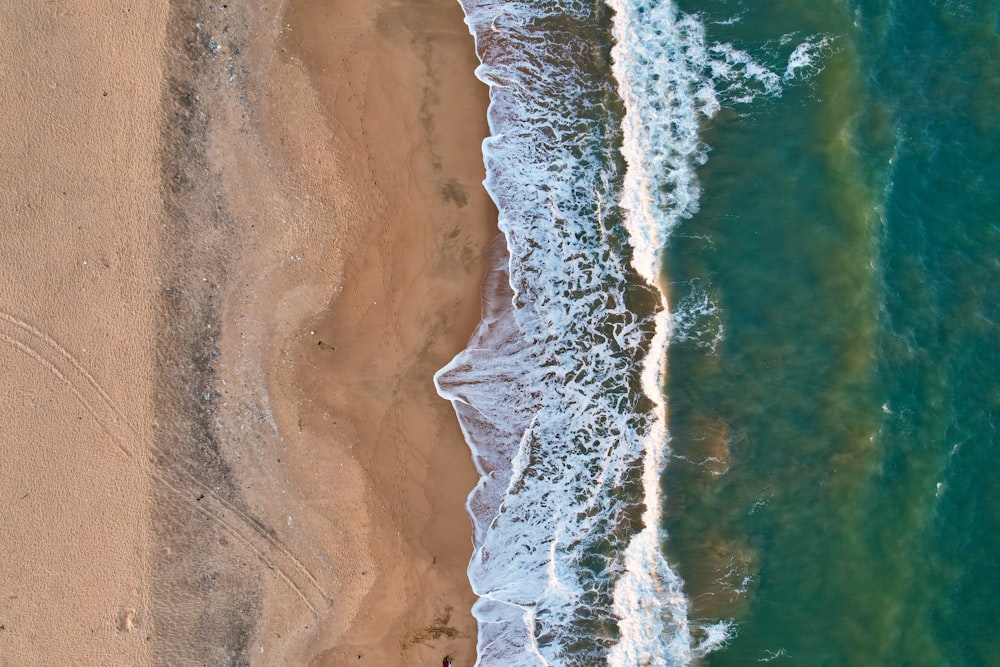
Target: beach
239	241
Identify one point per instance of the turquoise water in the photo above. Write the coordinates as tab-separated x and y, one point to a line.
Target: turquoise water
849	236
735	395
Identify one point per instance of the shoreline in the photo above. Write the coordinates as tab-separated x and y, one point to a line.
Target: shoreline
403	119
354	274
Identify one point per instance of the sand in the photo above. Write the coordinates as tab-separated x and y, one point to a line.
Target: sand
238	241
79	211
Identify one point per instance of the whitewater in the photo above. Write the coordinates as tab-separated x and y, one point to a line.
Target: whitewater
595	119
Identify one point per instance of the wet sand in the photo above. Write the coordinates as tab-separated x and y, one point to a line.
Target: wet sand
219	342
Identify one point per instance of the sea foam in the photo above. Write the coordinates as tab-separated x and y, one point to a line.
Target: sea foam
560	390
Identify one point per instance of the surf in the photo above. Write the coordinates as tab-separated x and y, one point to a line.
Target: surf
592	156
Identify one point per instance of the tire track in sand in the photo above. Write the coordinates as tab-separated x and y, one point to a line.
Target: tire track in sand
44	350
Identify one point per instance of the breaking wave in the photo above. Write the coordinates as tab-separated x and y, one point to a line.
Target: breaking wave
594	119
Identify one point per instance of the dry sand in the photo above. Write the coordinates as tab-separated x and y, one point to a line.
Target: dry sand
238	239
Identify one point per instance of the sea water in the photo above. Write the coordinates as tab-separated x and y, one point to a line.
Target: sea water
734	395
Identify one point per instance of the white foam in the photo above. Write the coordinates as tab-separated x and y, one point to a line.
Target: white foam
659	57
547	391
671	80
542	391
696	318
804	59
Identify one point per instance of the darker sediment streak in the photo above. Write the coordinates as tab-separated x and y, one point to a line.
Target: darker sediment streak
206	588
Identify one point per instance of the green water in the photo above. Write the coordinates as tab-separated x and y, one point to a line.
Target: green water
833	489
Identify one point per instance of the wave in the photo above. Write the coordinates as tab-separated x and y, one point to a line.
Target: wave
660	60
591	160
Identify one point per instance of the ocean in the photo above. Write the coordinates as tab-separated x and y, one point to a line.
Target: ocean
736	392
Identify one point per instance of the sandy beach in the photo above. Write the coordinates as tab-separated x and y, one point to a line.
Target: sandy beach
238	241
